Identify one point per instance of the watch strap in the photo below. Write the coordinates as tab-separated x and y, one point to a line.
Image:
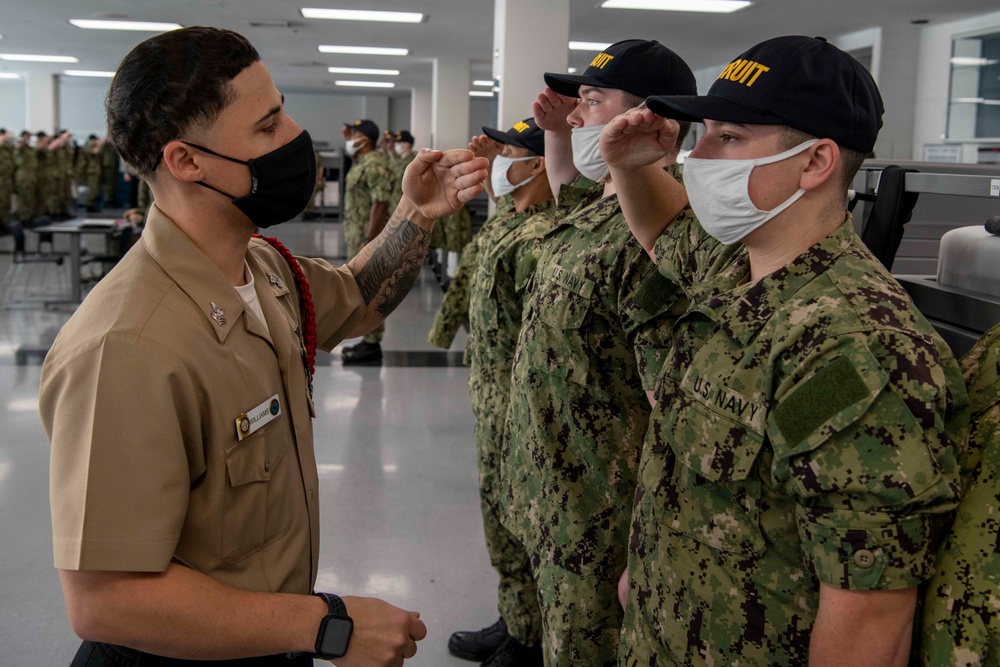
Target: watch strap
334	603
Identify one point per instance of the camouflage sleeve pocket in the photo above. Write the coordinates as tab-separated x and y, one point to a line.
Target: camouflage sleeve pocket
865	550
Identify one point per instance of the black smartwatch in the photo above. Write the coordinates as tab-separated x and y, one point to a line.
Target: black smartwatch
334	630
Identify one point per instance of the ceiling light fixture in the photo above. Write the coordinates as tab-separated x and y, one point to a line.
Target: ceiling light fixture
31	58
480	93
90	73
363	50
588	46
366	84
571	70
361	15
362	70
138	26
710	6
973	62
9	75
483	82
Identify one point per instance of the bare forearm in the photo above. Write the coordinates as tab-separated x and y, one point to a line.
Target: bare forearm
377	217
185	614
559	160
388	267
862	628
650	198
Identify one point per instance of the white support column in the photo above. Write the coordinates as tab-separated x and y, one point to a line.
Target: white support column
41	100
421	116
450	125
530	37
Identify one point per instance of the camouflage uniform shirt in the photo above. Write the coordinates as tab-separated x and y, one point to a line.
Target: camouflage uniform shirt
806	431
575	430
961	623
369	180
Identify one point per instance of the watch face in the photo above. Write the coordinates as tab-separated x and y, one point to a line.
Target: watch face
335	636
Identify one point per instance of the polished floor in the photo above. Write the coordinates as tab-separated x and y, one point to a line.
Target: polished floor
400	512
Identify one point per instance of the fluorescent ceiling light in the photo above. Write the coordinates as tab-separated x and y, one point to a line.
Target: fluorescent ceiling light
363	50
366	84
86	72
9	75
571	70
480	93
141	26
973	62
483	82
30	58
588	46
362	70
361	15
712	6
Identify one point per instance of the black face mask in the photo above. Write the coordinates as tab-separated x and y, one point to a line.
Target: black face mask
281	182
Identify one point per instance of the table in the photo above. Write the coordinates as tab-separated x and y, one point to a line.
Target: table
75	229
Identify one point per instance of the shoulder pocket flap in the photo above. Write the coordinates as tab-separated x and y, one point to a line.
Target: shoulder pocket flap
716	447
825	403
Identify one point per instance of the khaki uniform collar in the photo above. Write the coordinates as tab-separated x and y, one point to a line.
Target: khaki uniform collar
194	273
743	309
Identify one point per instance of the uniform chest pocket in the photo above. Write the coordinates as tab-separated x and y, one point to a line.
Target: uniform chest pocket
563	301
252	503
704	481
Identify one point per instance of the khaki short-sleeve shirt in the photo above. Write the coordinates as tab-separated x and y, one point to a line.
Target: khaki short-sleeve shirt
141	396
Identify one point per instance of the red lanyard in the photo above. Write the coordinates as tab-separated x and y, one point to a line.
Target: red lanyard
307	332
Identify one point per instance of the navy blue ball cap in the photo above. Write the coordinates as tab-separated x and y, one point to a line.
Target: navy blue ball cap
524	134
365	127
638	66
805	83
404	136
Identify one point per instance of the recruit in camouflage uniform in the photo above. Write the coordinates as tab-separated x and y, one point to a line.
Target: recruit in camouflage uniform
368	181
91	172
506	262
65	155
398	166
574	435
454	308
6	182
109	173
26	183
961	613
806	430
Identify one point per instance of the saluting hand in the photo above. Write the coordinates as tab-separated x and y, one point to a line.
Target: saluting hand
483	146
551	110
383	635
638	138
439	183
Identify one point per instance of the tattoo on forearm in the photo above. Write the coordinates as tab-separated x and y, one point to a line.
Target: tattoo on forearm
393	265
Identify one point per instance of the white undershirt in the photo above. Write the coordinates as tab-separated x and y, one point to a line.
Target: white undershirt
249	296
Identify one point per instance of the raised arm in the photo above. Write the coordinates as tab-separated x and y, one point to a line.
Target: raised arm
632	144
483	146
551	110
435	184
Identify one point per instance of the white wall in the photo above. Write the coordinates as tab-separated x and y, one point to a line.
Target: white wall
399	114
81	105
323	114
933	76
12	105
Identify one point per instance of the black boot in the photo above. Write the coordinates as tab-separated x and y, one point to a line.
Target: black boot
478	644
513	653
362	353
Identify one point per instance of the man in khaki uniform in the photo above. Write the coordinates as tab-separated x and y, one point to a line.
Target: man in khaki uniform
178	398
368	189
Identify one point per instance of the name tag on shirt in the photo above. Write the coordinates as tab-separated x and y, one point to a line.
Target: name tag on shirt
251	421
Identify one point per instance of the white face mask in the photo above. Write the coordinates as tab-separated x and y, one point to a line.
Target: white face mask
719	191
501	184
352	146
400	149
587	153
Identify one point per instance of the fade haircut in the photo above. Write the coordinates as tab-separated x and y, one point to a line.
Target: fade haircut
850	160
170	83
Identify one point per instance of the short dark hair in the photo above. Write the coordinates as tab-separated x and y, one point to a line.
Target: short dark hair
170	83
850	159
